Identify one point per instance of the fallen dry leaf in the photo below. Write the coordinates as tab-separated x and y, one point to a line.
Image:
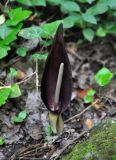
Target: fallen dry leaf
89	123
81	94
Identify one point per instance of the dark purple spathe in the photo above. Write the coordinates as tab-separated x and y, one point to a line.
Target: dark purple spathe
57	56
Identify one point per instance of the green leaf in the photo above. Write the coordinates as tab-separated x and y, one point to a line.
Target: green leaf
70	21
44	31
69	6
4	30
4	94
31	32
12	35
15	91
1	141
110	27
89	18
32	2
103	76
3	51
49	29
101	32
21	117
88	34
48	130
12	72
91	92
39	56
17	15
86	1
112	4
88	99
99	8
54	2
22	51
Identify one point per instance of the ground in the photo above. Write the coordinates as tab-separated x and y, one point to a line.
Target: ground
31	139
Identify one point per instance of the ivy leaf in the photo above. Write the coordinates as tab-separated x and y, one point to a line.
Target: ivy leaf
1	141
103	76
3	51
32	2
89	97
89	18
4	94
49	29
22	51
12	72
69	6
15	91
4	30
17	15
21	117
30	32
39	56
12	35
88	34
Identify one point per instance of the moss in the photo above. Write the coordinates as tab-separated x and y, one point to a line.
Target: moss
101	144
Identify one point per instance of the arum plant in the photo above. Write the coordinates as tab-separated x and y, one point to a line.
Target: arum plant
56	84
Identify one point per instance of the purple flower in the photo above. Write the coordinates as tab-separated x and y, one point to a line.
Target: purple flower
56	84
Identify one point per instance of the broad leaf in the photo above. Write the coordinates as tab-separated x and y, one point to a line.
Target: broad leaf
12	35
54	2
99	8
21	117
4	94
15	91
17	15
103	76
4	30
49	29
69	6
12	72
101	32
3	51
31	32
89	18
22	51
32	2
88	34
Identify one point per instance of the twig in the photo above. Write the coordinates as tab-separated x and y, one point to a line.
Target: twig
82	112
27	78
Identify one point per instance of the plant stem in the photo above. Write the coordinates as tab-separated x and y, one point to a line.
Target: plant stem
59	83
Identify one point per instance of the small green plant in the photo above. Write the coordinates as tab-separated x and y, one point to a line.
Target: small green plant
89	97
20	117
7	92
103	76
10	28
48	130
1	141
12	73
